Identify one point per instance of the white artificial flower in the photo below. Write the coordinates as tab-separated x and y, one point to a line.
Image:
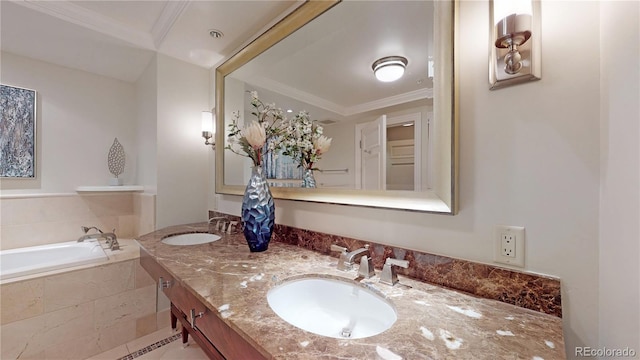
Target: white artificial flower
255	135
322	144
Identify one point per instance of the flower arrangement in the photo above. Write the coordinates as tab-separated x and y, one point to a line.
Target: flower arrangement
261	135
303	140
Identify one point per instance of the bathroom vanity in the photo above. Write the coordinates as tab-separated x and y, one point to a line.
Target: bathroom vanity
218	291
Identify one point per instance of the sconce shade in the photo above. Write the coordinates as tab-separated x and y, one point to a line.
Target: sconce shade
504	8
515	42
390	68
207	122
512	19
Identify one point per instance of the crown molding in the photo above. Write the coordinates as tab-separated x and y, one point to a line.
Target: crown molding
296	94
170	14
67	11
426	93
286	90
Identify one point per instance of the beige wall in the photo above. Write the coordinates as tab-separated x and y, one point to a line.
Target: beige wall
529	156
182	172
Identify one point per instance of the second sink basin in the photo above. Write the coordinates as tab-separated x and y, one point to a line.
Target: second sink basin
191	239
332	308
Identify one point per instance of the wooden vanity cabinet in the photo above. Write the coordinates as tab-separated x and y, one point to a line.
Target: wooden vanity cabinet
213	335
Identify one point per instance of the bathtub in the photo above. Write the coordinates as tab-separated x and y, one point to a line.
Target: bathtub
37	259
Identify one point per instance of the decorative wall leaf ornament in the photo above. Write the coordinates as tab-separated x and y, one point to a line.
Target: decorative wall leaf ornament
116	158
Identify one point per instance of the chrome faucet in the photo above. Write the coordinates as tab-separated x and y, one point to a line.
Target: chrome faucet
348	258
223	224
351	256
388	275
112	239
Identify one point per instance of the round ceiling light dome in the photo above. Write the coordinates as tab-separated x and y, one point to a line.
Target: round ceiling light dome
215	33
390	68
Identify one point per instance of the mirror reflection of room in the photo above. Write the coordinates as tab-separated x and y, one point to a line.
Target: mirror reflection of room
380	129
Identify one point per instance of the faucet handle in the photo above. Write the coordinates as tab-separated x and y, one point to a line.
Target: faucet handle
342	265
338	248
397	262
389	275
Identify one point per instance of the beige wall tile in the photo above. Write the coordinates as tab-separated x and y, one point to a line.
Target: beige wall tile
146	211
17	236
48	209
142	276
126	226
152	338
22	300
80	286
127	306
164	318
115	308
146	300
146	325
30	337
118	334
109	204
93	343
163	302
46	220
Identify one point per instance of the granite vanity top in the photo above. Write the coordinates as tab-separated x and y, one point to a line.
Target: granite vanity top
433	322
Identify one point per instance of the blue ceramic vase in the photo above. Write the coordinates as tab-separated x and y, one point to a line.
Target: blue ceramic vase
258	211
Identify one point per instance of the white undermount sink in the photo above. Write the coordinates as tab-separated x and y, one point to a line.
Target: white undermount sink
332	308
190	239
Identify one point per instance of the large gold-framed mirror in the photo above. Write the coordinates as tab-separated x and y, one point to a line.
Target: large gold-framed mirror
319	59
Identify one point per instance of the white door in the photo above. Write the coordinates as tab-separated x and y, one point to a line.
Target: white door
373	154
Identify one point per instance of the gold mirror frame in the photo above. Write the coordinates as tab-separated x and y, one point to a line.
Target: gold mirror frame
401	200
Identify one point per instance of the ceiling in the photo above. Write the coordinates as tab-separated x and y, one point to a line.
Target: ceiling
119	38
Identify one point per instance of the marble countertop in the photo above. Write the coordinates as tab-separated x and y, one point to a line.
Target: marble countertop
433	322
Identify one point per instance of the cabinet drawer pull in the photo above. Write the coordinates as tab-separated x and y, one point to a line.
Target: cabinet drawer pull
163	284
193	317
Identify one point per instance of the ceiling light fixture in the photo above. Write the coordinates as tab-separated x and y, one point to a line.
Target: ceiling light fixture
216	34
390	68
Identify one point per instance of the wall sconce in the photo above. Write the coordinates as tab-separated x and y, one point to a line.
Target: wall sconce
208	128
515	42
390	68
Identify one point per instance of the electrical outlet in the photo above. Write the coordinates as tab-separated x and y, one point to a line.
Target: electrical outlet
509	247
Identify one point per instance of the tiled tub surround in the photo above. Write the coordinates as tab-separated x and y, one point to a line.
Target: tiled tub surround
535	292
433	322
78	312
40	219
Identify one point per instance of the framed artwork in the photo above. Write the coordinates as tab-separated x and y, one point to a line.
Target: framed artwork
17	132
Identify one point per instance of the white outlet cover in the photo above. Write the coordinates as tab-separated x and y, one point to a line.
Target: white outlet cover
518	232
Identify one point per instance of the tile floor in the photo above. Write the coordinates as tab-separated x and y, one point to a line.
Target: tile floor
165	344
